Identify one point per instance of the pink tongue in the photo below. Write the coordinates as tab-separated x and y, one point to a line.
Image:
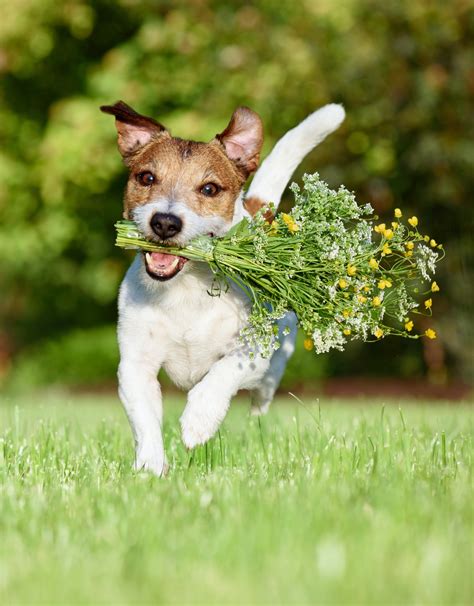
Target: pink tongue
162	259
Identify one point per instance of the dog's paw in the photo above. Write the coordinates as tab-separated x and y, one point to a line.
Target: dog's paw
261	399
197	427
152	461
202	416
257	409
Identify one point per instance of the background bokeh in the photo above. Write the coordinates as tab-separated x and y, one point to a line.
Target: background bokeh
402	68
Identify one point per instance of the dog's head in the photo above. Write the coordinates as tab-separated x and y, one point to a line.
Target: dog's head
180	189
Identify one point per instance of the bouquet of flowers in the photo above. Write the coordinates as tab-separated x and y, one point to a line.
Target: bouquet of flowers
344	275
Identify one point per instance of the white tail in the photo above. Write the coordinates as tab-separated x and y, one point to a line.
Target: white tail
273	175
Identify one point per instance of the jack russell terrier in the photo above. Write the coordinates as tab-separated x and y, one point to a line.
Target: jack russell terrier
177	190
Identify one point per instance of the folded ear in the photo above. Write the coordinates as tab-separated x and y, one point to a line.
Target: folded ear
243	139
134	130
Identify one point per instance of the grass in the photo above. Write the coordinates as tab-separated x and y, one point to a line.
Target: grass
328	504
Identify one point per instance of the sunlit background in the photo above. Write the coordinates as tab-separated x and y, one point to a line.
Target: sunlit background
402	68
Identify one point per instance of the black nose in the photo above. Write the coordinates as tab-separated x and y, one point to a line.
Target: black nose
165	226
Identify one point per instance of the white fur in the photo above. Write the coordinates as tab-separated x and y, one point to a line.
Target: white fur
177	325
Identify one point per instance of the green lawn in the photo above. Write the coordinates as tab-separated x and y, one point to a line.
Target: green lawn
334	503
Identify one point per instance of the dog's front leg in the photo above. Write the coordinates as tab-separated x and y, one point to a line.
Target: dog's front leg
140	394
209	400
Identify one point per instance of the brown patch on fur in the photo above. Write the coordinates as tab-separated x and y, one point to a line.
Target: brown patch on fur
181	168
185	148
254	204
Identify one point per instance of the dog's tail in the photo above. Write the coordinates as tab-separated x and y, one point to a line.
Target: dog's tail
276	170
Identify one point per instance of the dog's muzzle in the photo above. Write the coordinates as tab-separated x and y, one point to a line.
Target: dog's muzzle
161	266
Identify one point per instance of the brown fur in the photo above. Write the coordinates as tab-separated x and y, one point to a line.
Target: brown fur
254	204
182	167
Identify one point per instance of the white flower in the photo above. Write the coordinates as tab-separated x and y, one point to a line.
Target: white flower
334	252
426	261
328	338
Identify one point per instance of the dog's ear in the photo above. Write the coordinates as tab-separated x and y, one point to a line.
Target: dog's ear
243	139
134	130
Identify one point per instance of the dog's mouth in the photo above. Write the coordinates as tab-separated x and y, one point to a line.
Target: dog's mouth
161	266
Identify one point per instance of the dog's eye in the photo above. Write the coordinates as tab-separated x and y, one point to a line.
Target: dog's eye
210	190
146	178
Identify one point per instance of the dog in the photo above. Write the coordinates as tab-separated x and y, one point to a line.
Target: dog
177	190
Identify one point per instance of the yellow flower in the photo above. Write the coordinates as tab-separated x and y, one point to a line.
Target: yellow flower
293	228
409	253
376	301
342	283
430	333
433	243
380	228
386	250
290	222
409	245
383	283
413	221
308	344
346	313
388	233
373	263
428	303
434	287
426	238
351	270
395	224
273	228
366	288
347	331
378	332
362	299
409	325
398	213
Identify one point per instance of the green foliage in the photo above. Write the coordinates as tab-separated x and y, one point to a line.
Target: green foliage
330	505
78	358
399	67
304	368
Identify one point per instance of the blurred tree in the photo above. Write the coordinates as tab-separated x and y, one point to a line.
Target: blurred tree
403	70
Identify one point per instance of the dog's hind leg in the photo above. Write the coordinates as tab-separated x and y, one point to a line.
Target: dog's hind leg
262	396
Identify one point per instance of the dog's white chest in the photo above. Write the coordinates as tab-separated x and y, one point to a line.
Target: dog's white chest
197	339
188	329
